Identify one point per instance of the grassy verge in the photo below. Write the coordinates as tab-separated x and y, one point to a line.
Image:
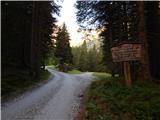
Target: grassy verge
109	99
53	67
74	72
18	81
101	75
44	75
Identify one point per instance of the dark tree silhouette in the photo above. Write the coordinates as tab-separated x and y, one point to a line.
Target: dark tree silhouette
63	50
26	39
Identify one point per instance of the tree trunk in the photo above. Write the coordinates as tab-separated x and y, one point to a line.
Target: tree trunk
145	72
32	43
35	60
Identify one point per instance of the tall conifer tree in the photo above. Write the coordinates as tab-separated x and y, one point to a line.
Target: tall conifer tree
63	50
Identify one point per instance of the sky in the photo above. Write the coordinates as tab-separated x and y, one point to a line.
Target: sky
68	15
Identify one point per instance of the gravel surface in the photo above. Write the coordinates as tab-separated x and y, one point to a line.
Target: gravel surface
58	99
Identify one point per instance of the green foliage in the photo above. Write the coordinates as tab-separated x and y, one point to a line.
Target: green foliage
87	57
109	99
82	61
101	75
51	60
92	59
44	75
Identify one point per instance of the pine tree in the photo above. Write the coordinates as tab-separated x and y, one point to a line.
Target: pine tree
63	50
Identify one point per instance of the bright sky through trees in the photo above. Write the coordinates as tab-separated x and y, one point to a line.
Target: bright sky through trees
68	15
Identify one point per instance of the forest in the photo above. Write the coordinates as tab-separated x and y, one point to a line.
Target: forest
125	22
31	41
122	23
27	40
28	47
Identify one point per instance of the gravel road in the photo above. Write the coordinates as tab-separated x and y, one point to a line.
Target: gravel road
58	99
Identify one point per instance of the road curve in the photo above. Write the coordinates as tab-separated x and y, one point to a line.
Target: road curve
58	99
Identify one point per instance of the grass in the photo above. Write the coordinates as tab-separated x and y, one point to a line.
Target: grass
101	75
109	99
44	75
74	71
53	67
16	82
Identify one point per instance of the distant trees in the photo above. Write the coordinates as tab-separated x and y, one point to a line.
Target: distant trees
94	59
87	58
62	48
82	62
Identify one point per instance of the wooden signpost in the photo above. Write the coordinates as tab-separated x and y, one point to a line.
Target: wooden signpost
125	53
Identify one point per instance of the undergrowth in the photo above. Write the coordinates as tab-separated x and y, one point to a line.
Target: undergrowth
110	99
17	81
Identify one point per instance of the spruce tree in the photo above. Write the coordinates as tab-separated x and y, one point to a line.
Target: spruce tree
63	50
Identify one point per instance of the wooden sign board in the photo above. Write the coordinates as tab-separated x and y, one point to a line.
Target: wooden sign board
126	52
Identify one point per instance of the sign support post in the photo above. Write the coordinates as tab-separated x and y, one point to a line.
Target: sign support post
127	73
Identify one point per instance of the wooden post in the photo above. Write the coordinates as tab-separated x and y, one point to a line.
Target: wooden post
127	73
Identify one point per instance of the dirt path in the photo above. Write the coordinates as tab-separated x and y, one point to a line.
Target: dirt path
59	99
